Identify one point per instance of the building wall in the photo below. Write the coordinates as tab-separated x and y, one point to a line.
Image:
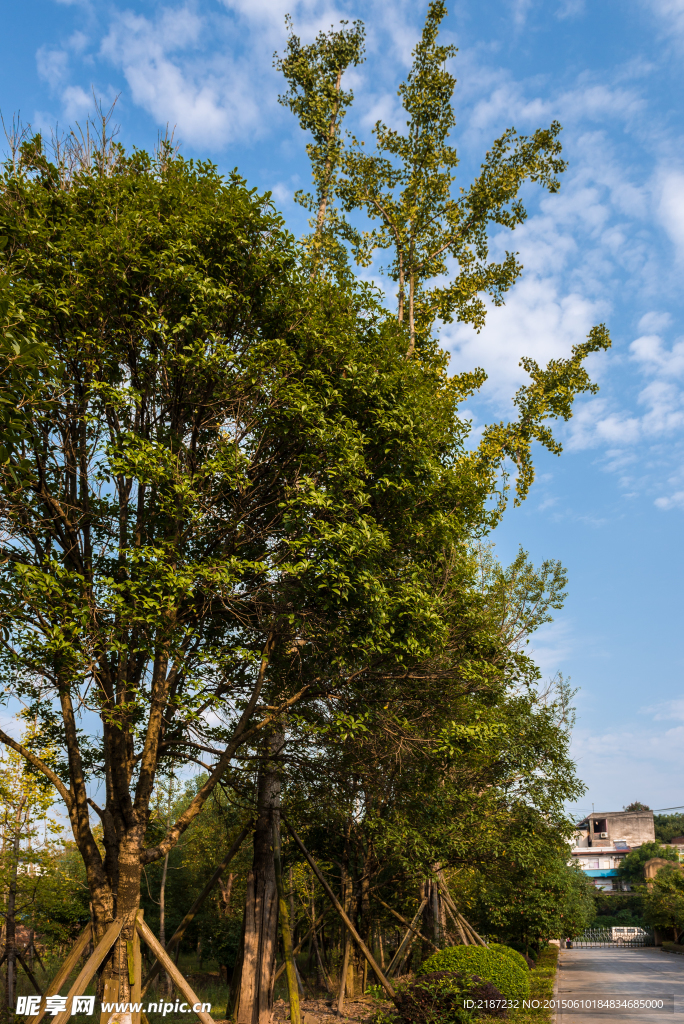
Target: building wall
653	866
634	828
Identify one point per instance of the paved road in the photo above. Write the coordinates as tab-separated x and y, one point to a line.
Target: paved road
636	973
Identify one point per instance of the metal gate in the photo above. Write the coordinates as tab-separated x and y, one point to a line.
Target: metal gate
614	937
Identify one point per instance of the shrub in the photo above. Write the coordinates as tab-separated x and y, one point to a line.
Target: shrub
438	998
489	964
518	958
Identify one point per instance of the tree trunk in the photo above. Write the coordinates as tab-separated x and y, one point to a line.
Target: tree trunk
166	984
286	933
436	915
226	890
346	901
10	917
412	324
254	985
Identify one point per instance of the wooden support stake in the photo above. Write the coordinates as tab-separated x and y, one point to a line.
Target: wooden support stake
64	971
29	972
180	930
340	910
399	955
459	926
478	940
343	977
406	924
448	899
285	932
167	963
294	953
110	994
136	980
87	972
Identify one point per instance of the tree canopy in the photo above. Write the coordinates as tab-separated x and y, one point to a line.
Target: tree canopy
245	522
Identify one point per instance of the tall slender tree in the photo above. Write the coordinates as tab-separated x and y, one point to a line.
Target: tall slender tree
407	186
316	98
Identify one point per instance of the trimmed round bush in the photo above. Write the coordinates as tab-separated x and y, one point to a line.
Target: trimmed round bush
440	996
502	970
518	958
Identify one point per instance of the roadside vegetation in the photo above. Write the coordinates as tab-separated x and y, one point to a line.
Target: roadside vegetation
249	596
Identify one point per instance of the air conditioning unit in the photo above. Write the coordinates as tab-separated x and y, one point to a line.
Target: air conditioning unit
603	835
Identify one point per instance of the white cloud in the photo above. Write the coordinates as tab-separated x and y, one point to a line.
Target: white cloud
570	9
668	710
675	500
520	10
672	14
77	102
210	101
670	207
551	645
623	765
53	65
595	423
537	321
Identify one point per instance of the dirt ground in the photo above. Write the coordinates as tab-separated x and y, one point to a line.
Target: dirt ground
320	1011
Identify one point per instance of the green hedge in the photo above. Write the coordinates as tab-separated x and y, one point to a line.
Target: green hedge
676	947
515	956
489	964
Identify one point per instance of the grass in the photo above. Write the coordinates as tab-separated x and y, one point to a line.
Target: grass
542	979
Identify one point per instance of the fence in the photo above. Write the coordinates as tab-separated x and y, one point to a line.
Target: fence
614	937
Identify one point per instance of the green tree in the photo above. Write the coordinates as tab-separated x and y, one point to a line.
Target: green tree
210	489
664	902
317	99
234	479
632	866
407	186
668	826
26	831
528	902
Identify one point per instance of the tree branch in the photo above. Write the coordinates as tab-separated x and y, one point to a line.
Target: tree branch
34	760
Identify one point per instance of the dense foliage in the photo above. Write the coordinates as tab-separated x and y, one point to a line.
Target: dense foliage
664	901
498	968
632	866
668	826
244	521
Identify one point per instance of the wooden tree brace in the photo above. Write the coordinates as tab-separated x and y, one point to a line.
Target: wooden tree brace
64	971
135	969
459	927
180	930
340	910
408	938
405	922
296	950
29	973
90	966
448	899
167	963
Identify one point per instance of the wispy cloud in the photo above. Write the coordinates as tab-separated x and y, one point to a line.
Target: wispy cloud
210	100
671	13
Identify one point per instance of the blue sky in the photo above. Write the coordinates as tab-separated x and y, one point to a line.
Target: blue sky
609	247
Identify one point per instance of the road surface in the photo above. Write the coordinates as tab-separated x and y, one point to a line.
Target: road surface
603	973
